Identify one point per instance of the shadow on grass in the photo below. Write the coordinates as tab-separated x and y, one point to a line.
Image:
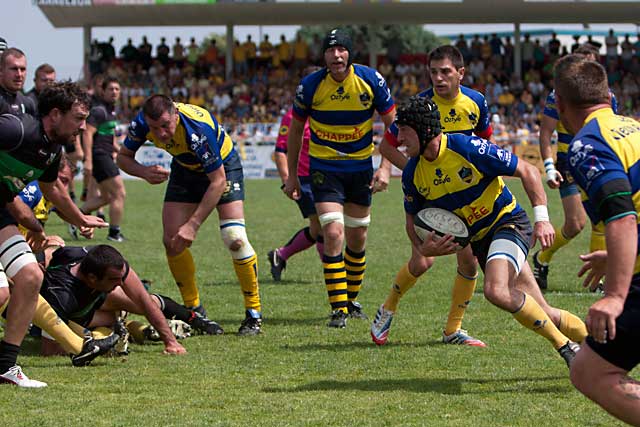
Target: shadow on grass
436	385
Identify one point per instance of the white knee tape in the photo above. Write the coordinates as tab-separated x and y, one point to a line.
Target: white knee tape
329	217
506	249
233	230
4	283
352	222
15	253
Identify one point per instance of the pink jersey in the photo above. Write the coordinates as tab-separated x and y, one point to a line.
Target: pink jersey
281	143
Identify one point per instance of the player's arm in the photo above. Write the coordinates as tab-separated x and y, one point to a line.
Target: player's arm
389	149
432	245
187	232
547	126
126	161
87	147
380	180
542	228
280	154
23	214
133	287
294	145
56	193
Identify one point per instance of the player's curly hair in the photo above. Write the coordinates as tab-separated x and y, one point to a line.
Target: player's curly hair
422	115
62	95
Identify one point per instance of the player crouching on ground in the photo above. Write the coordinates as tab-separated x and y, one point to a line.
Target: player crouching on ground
89	287
500	229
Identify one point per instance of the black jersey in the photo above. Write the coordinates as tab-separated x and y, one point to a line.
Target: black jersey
103	118
26	154
70	297
17	103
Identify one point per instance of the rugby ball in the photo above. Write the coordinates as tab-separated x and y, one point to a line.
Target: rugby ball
441	222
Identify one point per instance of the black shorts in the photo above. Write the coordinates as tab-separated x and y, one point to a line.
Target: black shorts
6	218
104	167
517	228
305	202
623	351
342	187
186	186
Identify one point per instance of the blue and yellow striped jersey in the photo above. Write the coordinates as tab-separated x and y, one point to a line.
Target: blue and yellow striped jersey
467	113
564	137
199	144
464	179
341	116
604	160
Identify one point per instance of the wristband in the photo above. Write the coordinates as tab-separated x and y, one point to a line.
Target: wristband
540	213
550	169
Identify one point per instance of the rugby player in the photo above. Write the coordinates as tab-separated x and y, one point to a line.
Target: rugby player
206	174
339	101
99	149
307	236
603	158
500	229
13	73
560	178
30	149
466	112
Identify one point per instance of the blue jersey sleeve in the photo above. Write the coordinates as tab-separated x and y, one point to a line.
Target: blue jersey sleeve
304	94
137	135
413	200
599	172
484	119
382	99
31	194
614	102
550	109
488	158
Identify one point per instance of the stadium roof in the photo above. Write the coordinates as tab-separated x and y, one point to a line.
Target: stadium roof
119	13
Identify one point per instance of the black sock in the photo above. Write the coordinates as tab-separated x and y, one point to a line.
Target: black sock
173	310
114	229
8	355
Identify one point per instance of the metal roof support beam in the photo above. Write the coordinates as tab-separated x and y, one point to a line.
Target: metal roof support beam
86	51
228	63
517	50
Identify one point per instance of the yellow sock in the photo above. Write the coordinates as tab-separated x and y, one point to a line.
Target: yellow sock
247	272
136	329
461	294
183	270
404	281
355	263
47	320
101	332
598	241
79	330
335	280
545	256
572	326
533	317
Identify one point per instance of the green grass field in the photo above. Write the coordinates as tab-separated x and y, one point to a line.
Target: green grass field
299	372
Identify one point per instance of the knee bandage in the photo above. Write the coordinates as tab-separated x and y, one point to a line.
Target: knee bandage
234	232
15	253
329	217
506	249
353	222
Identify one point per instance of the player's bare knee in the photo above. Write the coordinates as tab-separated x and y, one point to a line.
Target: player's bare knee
418	265
28	280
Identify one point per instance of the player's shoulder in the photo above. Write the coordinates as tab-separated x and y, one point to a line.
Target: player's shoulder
474	95
138	128
313	80
370	75
551	98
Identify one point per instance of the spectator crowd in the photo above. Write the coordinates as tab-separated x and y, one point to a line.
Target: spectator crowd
264	76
